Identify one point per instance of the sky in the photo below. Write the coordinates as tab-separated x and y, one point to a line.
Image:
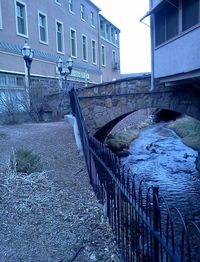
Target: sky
134	36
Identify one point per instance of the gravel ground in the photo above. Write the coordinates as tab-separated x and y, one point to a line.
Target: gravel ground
49	216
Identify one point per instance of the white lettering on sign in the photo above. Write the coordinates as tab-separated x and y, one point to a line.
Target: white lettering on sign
74	73
80	74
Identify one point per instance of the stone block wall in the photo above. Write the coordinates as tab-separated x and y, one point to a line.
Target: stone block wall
51	85
118	87
50	100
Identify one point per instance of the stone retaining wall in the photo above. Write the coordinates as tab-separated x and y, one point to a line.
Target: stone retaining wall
50	101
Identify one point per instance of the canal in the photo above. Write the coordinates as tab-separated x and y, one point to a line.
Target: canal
159	156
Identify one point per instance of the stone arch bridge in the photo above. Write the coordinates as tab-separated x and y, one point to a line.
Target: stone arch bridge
104	105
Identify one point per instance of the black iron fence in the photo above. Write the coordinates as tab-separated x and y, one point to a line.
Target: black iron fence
146	228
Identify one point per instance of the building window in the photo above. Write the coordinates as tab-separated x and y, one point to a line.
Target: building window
160	27
21	18
73	43
94	52
7	81
190	13
102	28
59	37
82	12
107	32
112	35
1	24
116	38
71	6
84	48
92	18
103	55
114	58
166	22
172	12
42	24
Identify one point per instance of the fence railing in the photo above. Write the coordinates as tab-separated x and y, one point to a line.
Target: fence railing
146	228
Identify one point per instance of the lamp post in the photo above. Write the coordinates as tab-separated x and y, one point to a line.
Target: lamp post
61	66
27	54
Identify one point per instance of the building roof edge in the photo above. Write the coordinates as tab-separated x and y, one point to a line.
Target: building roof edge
109	22
94	5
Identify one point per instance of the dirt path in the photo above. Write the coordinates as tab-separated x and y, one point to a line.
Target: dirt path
49	216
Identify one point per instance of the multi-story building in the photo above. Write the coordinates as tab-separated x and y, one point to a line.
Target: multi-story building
175	28
53	29
110	61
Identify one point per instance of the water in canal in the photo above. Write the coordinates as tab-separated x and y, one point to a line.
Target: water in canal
159	156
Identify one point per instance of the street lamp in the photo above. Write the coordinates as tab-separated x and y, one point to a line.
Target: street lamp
63	72
27	53
60	66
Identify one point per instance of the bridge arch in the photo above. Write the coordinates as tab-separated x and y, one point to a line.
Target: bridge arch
103	106
102	133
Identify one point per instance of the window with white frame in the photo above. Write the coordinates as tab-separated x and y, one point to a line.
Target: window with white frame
84	48
108	32
115	63
92	18
94	52
73	43
103	55
116	38
102	28
71	6
112	35
11	81
1	24
59	37
42	25
82	12
21	18
114	58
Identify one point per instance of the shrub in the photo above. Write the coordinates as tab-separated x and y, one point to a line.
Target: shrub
25	161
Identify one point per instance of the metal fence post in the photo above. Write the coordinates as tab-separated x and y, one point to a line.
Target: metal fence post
156	222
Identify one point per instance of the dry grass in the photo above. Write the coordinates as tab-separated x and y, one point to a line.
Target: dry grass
188	129
123	138
26	208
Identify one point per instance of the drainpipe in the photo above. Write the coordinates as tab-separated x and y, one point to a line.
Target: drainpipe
99	46
152	24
